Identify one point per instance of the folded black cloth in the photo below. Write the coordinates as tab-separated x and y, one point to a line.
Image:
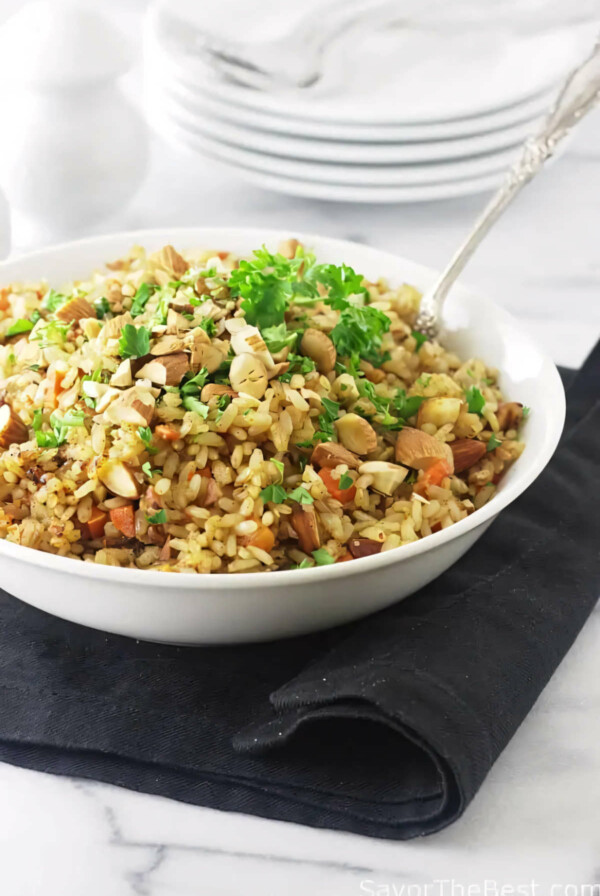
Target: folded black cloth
386	727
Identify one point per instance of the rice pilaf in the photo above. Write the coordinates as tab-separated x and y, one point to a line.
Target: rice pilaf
204	413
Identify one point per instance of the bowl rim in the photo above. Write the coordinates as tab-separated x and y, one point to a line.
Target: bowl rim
233	582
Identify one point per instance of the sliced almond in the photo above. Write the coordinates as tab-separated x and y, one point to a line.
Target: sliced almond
119	479
466	452
332	454
12	429
170	259
364	547
167	370
304	522
287	248
278	369
356	434
112	328
373	374
145	411
386	477
167	345
205	354
418	450
439	411
215	390
122	377
509	415
318	346
248	374
76	309
177	323
248	340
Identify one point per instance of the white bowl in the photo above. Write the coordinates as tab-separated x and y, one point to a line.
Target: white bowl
210	609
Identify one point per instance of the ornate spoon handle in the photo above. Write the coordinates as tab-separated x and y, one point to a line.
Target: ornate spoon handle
579	95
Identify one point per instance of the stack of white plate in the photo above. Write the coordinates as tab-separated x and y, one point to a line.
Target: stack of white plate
415	117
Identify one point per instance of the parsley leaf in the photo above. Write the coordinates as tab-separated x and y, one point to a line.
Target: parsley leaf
406	406
209	326
526	412
494	442
279	465
359	332
223	403
346	481
193	384
326	432
419	338
102	307
147	469
322	557
275	493
134	341
306	564
266	286
140	299
342	282
157	519
145	434
301	495
475	400
20	326
194	404
298	364
53	300
51	333
276	338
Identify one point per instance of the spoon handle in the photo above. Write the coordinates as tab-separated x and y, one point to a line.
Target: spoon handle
580	93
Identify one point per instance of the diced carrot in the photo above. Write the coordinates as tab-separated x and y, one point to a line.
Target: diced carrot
123	519
4	303
344	557
166	432
263	538
222	255
435	473
344	495
94	528
54	388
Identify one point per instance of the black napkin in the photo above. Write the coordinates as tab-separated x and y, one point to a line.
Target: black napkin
386	727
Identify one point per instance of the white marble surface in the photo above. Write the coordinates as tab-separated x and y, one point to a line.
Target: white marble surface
536	822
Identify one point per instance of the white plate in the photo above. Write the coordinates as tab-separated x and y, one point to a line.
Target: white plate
350	175
413	77
200	119
200	97
203	609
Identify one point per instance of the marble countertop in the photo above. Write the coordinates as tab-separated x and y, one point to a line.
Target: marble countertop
535	825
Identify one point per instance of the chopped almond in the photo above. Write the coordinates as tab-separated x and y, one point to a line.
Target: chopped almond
356	434
112	328
387	477
466	452
168	345
213	493
118	478
12	429
304	522
215	390
364	547
318	346
278	369
146	411
122	377
76	309
165	551
418	450
53	388
373	374
509	415
170	259
206	355
167	370
332	454
287	248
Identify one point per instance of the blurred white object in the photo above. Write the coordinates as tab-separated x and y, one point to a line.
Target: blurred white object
4	226
78	149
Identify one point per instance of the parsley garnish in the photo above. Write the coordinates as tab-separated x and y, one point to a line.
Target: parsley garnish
209	326
419	338
306	564
322	557
147	469
279	465
223	402
53	300
194	404
145	434
475	400
301	495
51	333
193	384
102	307
276	338
526	412
359	332
275	493
134	342
157	519
345	482
298	364
266	286
494	442
60	427
20	326
140	299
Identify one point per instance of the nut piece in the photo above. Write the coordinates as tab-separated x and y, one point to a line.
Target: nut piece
76	309
419	450
434	385
168	345
119	479
167	370
344	389
112	328
169	259
509	415
214	390
248	374
466	452
373	374
247	340
356	434
331	454
122	376
439	411
287	248
278	369
319	347
12	429
363	547
467	425
304	523
146	411
387	477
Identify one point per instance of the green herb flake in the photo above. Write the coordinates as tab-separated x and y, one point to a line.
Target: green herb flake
274	493
20	326
277	338
102	308
280	467
134	342
140	299
53	300
322	557
209	326
51	333
526	412
493	443
145	434
196	406
147	469
475	400
301	495
193	384
346	481
306	564
420	338
157	519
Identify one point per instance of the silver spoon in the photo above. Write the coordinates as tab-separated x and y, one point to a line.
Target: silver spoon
579	95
